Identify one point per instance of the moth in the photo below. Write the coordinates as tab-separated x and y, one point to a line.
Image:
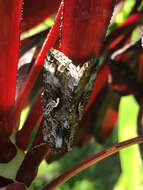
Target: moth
67	89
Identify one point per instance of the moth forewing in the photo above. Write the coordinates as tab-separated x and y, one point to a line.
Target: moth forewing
64	99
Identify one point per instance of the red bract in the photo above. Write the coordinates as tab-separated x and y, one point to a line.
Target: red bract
79	32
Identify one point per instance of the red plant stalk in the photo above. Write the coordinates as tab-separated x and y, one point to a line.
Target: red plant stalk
92	160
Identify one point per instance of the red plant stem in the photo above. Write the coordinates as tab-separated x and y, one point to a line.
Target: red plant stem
92	160
49	42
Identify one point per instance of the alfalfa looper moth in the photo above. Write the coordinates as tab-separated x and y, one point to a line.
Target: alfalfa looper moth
66	91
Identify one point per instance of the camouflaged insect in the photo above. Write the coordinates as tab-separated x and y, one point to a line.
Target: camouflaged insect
66	92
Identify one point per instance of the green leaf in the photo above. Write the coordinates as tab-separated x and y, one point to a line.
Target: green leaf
131	165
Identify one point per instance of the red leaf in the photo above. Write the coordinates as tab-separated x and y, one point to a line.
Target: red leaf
39	139
136	6
29	167
10	16
37	67
7	149
123	32
123	78
35	12
98	85
102	115
105	116
35	116
94	109
140	70
32	41
5	181
83	28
